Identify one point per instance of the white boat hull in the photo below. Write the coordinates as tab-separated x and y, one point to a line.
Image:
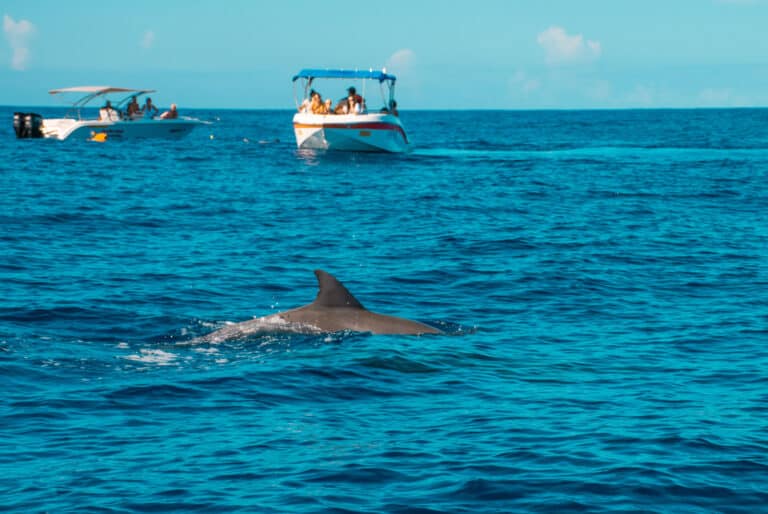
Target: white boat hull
376	132
65	128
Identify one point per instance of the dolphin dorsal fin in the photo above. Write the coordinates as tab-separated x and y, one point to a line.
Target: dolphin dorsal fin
332	293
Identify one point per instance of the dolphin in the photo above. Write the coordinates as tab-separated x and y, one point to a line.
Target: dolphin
333	310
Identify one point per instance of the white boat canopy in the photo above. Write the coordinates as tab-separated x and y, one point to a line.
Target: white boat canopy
92	92
98	90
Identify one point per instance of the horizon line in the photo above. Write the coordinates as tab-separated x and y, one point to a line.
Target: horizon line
441	109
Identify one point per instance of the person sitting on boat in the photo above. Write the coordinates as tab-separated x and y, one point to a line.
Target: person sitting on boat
305	105
170	115
355	102
318	106
316	103
342	107
392	109
108	112
134	110
148	109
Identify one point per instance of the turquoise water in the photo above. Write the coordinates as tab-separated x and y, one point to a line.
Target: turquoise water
601	277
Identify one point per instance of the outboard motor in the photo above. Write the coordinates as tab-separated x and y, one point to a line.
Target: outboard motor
28	125
18	123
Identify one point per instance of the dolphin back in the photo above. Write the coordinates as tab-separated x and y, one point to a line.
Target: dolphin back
334	309
332	293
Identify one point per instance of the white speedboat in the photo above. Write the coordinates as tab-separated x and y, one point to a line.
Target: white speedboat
349	125
110	123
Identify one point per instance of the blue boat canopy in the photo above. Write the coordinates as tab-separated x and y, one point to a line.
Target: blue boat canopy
312	73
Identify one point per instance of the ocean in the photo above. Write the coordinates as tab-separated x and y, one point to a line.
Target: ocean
601	278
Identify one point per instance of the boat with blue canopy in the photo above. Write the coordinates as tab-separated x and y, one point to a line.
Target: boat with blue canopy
352	123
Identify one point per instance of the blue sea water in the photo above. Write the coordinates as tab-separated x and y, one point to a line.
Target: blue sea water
601	276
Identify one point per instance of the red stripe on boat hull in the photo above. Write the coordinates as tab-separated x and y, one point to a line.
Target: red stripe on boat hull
354	126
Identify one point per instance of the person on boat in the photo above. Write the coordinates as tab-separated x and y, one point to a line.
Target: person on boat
148	109
170	115
306	104
318	106
342	107
316	103
133	108
108	112
355	102
392	109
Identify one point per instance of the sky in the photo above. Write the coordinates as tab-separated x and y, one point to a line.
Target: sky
483	54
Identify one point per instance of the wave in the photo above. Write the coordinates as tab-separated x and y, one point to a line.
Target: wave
599	154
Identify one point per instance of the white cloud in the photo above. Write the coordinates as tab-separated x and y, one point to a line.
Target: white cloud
642	96
18	34
148	39
521	81
713	97
562	48
600	90
401	61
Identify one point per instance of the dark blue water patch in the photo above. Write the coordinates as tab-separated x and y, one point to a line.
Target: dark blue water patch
153	393
352	474
408	509
399	364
